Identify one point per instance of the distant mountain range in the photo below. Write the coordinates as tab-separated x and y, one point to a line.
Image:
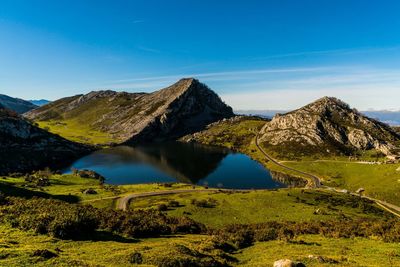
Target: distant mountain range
40	102
386	116
16	104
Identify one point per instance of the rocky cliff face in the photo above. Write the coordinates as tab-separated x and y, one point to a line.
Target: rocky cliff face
329	126
24	147
185	107
18	105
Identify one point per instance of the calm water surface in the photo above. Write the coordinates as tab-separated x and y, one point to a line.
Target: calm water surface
175	161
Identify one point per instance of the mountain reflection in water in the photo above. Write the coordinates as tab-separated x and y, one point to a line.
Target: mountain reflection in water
175	161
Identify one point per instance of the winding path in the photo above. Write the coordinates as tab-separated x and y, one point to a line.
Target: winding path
316	182
123	202
313	182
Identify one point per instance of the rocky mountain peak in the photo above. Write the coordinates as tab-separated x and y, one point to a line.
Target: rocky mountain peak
329	125
184	107
327	105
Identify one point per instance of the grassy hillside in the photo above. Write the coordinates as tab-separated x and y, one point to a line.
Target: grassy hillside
247	244
77	131
379	180
326	252
224	208
17	249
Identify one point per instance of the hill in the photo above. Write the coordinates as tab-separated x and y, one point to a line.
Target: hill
18	105
327	126
25	147
184	107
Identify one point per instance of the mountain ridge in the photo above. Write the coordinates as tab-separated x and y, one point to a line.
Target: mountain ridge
25	147
183	107
16	104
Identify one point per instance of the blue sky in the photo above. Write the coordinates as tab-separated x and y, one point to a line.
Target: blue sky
256	54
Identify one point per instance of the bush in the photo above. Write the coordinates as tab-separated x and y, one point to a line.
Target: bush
51	217
44	253
204	203
173	203
136	258
162	207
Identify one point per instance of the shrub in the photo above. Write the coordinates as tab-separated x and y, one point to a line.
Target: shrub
44	253
204	203
173	203
162	207
51	217
136	258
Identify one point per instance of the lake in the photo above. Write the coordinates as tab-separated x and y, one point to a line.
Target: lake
178	162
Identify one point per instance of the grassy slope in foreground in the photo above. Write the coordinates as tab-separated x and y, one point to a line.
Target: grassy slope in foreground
17	247
380	181
261	206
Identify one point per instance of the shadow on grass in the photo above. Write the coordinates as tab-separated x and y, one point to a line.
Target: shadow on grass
302	242
15	191
108	236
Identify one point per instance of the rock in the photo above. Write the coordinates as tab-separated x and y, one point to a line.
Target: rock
284	263
317	258
360	190
328	126
90	191
322	259
25	147
287	263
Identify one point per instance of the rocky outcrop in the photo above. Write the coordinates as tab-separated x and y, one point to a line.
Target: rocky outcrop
25	147
15	104
185	107
328	125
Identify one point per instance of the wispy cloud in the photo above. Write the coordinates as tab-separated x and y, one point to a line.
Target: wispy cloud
137	21
345	51
289	88
226	74
149	49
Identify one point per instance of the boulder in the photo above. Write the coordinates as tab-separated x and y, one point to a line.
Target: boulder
90	191
287	263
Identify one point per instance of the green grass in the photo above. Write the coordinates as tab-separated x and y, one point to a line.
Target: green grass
235	135
105	249
347	252
76	131
70	187
380	181
17	247
260	206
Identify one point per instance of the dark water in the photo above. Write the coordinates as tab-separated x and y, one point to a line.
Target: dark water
175	161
